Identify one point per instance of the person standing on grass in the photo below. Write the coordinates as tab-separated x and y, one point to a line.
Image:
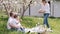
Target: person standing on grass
45	8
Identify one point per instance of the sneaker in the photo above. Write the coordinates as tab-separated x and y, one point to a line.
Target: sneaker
38	33
28	32
50	30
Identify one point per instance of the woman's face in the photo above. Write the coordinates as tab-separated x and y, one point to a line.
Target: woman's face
15	16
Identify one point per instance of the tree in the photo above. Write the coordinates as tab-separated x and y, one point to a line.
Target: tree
16	5
25	6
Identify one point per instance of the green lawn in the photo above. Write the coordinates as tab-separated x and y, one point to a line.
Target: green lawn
30	22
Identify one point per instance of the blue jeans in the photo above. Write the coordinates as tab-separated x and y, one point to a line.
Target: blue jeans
20	29
46	15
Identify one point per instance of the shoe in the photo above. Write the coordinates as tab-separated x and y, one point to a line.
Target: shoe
50	30
28	32
38	33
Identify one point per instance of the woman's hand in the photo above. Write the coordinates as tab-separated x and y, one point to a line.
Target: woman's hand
41	11
20	20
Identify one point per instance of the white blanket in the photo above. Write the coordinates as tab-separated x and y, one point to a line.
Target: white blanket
35	29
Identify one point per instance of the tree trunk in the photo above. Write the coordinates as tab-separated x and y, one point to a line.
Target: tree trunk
6	8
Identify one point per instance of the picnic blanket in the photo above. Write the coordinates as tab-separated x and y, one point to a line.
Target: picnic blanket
38	29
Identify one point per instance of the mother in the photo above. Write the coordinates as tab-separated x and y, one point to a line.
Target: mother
45	8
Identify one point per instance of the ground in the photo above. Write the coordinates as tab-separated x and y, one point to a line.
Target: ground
30	22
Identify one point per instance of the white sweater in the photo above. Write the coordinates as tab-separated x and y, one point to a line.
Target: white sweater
45	7
12	21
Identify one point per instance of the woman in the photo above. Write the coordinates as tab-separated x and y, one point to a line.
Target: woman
46	10
10	20
17	23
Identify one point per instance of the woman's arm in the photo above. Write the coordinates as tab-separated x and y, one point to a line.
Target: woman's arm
13	25
18	19
41	8
41	11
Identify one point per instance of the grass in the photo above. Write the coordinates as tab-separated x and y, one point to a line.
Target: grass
30	22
